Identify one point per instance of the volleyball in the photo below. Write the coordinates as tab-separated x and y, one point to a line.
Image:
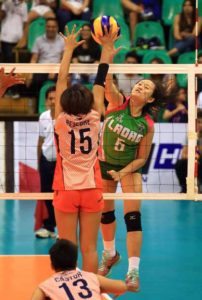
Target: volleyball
97	26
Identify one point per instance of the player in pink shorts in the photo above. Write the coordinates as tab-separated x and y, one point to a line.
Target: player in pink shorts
71	283
77	182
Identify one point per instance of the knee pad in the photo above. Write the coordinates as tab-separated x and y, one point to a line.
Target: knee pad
133	221
108	217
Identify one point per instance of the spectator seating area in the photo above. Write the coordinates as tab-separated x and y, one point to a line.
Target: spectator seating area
148	34
152	39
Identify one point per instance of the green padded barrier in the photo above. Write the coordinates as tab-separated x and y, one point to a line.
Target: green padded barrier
42	95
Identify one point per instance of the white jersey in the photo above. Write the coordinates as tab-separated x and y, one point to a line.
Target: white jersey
46	131
73	285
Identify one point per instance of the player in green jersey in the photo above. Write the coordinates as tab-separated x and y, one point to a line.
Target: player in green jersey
124	149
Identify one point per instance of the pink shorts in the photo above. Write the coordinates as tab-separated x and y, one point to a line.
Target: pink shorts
88	200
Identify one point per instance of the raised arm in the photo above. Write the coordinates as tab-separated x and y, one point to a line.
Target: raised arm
61	85
9	80
112	94
108	51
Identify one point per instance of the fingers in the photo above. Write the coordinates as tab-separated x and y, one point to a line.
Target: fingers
73	29
67	31
115	35
12	72
77	33
62	35
73	33
2	71
106	32
112	173
118	49
80	43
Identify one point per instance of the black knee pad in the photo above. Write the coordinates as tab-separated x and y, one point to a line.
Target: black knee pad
108	217
133	221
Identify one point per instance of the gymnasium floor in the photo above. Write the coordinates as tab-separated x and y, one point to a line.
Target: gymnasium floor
171	266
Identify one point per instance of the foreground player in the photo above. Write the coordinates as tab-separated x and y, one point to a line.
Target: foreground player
125	146
71	283
8	80
77	181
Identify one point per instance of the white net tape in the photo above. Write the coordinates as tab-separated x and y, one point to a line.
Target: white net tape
190	70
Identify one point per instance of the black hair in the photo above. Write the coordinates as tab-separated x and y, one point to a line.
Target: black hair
63	255
86	24
132	54
161	94
91	43
158	59
51	19
199	114
77	100
199	55
50	90
183	22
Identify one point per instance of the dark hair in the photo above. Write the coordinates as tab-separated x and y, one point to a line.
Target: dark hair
161	94
158	59
132	54
86	24
52	19
200	55
199	114
90	42
183	22
76	100
50	90
63	255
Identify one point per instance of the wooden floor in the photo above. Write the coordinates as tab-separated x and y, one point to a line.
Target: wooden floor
20	275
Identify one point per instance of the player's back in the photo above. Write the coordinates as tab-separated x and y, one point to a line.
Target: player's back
74	285
77	143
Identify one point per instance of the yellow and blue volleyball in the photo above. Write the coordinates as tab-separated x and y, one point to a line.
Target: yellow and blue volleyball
97	26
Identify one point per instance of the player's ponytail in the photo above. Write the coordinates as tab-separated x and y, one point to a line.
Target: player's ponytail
162	95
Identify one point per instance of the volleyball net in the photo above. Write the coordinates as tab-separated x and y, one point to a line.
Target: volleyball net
19	138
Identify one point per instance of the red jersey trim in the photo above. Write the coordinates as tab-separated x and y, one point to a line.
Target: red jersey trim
120	107
149	121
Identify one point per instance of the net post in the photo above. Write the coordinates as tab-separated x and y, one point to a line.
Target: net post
192	136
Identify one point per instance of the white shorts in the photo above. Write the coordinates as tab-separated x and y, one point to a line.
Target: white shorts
41	9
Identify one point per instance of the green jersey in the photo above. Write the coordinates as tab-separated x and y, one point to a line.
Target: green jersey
121	135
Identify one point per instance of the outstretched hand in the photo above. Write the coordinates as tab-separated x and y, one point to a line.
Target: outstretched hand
8	80
70	38
108	40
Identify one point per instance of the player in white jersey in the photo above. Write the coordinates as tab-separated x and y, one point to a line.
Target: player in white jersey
77	181
9	80
71	283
